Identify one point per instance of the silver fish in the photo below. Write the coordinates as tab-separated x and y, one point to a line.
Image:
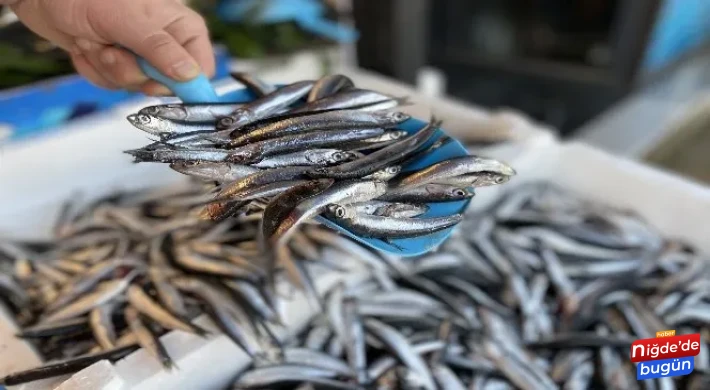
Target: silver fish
310	157
164	127
429	193
329	85
338	193
387	227
390	209
329	120
265	106
213	171
381	158
255	152
195	113
452	168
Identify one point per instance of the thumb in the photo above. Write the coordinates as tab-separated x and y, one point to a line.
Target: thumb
160	49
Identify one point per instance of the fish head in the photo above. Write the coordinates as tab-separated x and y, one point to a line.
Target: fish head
394	116
167	111
394	135
387	173
483	164
149	123
451	192
341	211
485	179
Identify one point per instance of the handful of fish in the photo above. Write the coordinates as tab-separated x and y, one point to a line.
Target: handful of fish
315	148
544	290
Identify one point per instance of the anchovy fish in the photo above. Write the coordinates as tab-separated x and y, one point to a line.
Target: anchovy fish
310	157
207	113
387	227
265	106
452	168
329	120
255	152
166	128
329	85
379	159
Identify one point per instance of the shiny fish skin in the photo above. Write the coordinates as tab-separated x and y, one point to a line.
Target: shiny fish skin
265	106
452	168
381	158
168	155
325	121
193	113
429	193
329	85
164	127
379	227
338	192
214	171
255	152
390	209
311	157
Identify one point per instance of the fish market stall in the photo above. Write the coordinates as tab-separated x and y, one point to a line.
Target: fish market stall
521	289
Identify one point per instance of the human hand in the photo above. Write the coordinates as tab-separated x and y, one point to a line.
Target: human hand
168	34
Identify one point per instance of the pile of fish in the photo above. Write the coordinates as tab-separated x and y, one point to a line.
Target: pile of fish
315	148
543	291
127	268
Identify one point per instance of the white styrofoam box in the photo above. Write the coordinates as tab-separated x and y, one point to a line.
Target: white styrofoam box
674	205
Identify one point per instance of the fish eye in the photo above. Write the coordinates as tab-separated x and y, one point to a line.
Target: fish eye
500	180
393	169
226	121
339	156
460	192
400	116
340	211
144	118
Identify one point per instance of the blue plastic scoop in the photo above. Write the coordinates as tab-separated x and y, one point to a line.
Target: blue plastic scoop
200	90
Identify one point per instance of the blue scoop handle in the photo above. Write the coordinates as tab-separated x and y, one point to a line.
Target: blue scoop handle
197	90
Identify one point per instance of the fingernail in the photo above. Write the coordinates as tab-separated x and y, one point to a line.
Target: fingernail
186	70
84	44
108	58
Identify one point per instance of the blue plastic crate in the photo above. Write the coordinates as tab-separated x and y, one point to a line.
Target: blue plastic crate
37	108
